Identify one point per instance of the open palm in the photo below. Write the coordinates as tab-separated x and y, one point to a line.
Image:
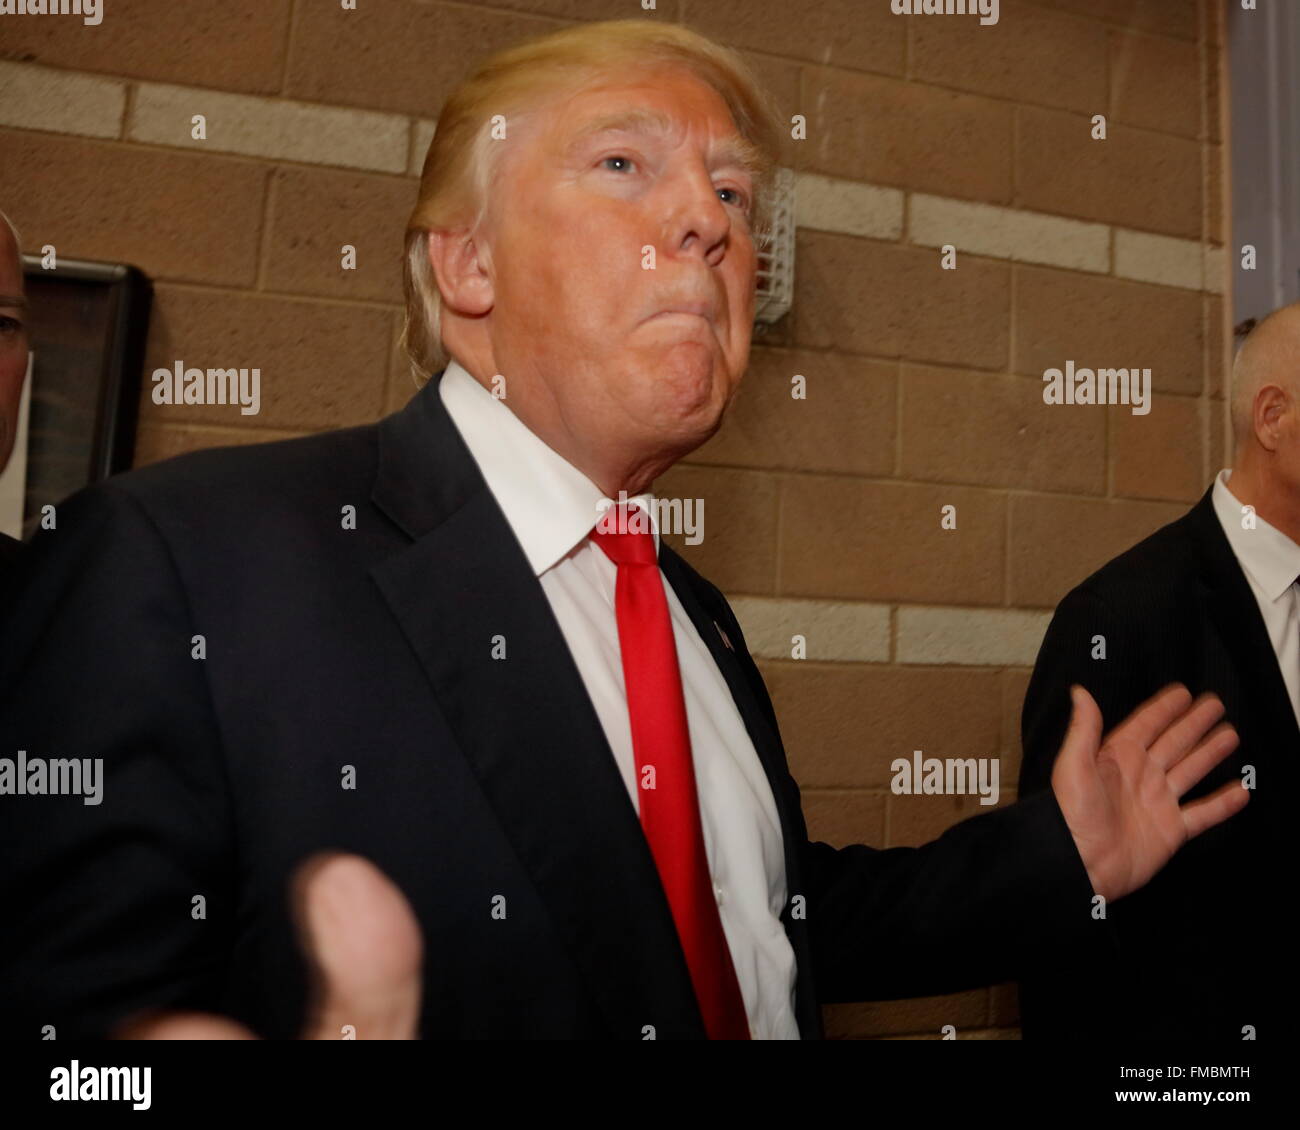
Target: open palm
1120	796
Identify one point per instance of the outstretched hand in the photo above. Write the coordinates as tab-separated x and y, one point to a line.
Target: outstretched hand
1120	796
363	946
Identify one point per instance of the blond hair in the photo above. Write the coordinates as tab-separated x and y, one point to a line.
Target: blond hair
460	165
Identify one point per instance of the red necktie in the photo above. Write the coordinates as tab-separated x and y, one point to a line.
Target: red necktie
670	809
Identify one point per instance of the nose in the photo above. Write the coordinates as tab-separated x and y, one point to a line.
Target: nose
699	222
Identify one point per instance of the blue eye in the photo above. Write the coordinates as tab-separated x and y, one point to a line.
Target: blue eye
742	201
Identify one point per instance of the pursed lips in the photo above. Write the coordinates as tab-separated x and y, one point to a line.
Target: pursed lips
699	309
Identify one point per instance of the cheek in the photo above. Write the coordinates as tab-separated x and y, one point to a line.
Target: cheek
13	367
741	290
1293	459
585	273
739	340
739	362
1289	444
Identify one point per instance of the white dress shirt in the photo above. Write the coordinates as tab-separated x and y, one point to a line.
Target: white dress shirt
1271	562
551	508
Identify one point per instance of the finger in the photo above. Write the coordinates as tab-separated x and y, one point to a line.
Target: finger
180	1026
1215	808
364	948
1180	738
1154	716
1082	736
1220	742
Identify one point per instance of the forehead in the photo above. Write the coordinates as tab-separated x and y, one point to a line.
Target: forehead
672	105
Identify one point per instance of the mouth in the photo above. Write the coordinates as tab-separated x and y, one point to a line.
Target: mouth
697	309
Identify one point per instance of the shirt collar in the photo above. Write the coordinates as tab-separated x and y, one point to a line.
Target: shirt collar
550	505
1270	557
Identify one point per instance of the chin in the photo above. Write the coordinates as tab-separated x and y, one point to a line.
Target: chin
694	380
691	429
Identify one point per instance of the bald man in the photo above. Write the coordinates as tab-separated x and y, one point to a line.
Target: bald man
1211	601
13	353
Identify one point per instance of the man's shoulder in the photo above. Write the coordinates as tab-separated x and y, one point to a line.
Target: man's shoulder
1158	572
279	469
248	502
704	589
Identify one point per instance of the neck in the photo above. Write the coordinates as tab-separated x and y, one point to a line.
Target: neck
610	470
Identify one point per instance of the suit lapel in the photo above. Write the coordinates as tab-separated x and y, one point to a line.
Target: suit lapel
525	722
710	622
1235	615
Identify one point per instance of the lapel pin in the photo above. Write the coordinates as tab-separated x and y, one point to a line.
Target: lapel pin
723	634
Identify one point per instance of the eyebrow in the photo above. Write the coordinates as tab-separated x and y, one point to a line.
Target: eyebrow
731	150
16	300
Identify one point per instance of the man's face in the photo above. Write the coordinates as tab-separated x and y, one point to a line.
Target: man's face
13	340
579	324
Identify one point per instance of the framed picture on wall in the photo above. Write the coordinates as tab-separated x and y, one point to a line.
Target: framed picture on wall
87	326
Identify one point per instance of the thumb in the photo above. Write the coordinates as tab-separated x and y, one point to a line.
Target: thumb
363	945
1083	735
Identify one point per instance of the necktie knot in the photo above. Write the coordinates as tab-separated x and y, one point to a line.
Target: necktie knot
625	534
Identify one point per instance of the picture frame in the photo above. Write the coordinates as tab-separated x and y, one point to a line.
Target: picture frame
88	323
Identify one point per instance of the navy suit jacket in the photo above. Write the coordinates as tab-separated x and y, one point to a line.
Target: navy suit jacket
330	651
1205	950
10	548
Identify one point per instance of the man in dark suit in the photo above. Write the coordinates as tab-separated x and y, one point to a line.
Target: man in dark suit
1210	601
414	642
13	356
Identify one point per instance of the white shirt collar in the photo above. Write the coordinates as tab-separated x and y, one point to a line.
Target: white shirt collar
1270	557
551	505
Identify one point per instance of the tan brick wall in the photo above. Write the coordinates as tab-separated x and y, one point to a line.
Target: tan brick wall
924	385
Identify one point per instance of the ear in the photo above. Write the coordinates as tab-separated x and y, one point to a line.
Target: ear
1272	403
461	265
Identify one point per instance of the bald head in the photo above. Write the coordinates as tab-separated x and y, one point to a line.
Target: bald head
1270	356
13	335
1266	421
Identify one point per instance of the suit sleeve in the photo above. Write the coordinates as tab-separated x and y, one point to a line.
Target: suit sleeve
981	904
124	904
